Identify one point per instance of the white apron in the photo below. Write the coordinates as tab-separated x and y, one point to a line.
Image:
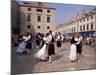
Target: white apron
21	47
42	53
73	53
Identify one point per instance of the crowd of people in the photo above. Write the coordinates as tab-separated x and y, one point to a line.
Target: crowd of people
45	43
90	41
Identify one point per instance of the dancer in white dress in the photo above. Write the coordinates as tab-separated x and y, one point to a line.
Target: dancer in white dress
42	53
73	51
21	46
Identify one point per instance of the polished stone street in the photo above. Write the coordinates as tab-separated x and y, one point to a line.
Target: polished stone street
26	64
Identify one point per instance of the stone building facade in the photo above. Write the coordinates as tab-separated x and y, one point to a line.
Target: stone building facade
15	18
85	24
36	17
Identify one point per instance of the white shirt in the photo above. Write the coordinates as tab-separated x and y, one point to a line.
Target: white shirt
49	38
62	37
58	37
26	38
45	39
78	40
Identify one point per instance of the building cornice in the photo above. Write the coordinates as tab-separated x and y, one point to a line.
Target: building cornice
37	7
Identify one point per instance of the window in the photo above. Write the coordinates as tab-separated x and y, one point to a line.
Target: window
70	29
74	29
84	19
87	18
28	17
48	27
80	28
29	9
39	10
83	27
39	3
38	27
48	11
28	26
91	17
48	18
87	26
39	18
91	26
80	20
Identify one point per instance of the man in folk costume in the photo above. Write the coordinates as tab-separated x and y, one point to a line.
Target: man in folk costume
29	42
51	49
78	38
59	39
38	40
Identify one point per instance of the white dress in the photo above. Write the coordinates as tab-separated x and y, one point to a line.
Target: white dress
42	53
73	53
21	47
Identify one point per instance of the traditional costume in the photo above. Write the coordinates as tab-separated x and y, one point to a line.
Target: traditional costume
38	40
79	45
51	49
22	45
42	53
59	41
29	42
73	50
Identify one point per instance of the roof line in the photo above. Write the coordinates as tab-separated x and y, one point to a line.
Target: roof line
37	7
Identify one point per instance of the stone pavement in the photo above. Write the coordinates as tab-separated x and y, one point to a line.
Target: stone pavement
27	64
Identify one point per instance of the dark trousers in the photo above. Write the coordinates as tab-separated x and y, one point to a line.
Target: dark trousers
38	42
51	49
79	48
28	45
58	43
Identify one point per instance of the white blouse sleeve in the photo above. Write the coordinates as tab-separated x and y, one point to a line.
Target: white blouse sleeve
78	40
49	38
26	38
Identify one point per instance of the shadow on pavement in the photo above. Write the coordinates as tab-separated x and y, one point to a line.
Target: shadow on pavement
22	63
57	57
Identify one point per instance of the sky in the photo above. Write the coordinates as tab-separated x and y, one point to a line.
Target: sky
65	12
